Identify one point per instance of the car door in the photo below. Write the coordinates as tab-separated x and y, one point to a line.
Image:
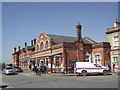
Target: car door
97	68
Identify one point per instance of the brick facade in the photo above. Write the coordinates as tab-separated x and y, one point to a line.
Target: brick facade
57	51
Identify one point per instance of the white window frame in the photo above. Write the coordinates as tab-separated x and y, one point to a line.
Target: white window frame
116	41
115	61
96	59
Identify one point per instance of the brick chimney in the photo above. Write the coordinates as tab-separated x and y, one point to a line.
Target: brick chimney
116	23
78	29
14	49
34	41
79	44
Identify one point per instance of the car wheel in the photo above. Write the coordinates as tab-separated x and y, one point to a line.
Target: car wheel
105	72
84	73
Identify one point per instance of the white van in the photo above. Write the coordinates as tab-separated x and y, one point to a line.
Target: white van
83	68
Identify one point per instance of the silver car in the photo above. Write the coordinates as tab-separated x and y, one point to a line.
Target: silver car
9	70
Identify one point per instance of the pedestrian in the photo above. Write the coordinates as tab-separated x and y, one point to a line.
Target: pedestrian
30	67
109	68
62	70
45	69
42	69
113	66
38	70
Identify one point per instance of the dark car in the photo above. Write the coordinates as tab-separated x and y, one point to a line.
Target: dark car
18	69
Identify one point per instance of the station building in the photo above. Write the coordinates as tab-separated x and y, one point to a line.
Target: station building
61	52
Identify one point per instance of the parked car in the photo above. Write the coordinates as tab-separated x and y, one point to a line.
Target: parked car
83	68
9	70
17	69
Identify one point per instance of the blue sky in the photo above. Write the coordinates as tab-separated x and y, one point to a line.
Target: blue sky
22	22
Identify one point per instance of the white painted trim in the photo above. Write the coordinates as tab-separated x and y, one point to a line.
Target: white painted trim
113	61
47	36
94	58
48	42
42	41
114	40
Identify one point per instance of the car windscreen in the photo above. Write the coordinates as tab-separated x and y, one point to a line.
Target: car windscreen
17	67
8	68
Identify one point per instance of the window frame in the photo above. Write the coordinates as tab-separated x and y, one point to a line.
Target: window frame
116	61
41	45
97	59
116	41
46	44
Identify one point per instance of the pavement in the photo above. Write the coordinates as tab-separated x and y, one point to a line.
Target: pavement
59	74
28	79
52	74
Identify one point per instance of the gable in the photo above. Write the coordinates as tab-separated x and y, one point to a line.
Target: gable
43	38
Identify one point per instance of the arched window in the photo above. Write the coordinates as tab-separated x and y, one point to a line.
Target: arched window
41	45
46	44
37	47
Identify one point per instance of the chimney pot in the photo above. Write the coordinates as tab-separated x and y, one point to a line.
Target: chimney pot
31	42
19	48
14	49
25	44
78	28
116	23
34	41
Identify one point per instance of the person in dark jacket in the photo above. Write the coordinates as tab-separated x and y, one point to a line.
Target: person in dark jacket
38	70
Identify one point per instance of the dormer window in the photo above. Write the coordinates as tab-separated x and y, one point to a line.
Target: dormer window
46	44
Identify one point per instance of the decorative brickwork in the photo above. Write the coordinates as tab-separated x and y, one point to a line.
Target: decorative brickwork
61	52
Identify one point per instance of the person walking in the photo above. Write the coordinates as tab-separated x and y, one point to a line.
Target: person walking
30	67
38	70
45	69
113	67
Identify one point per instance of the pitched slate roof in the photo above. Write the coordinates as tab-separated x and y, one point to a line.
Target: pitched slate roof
60	39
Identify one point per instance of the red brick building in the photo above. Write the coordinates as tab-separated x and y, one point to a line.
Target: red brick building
57	51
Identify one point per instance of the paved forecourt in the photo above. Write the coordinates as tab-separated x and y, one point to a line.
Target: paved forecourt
25	80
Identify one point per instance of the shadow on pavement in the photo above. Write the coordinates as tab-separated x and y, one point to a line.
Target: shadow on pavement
96	75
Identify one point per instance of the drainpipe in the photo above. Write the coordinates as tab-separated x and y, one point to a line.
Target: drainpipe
65	56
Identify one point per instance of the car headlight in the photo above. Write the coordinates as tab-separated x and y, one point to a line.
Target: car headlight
6	71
